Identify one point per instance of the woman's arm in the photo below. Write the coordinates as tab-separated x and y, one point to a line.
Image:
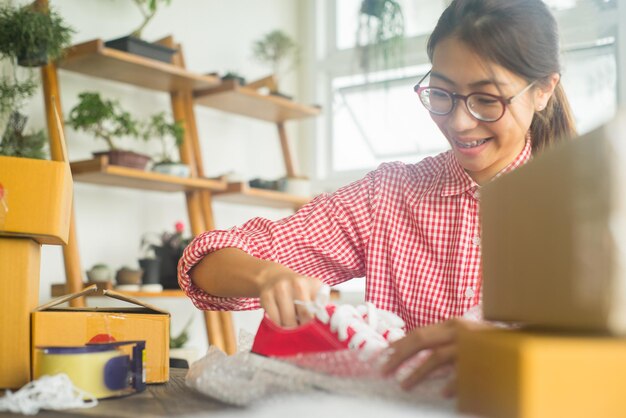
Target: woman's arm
230	272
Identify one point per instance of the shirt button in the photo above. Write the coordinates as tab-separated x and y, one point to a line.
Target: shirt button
469	292
476	240
477	194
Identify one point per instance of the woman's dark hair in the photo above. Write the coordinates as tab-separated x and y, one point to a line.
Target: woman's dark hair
521	36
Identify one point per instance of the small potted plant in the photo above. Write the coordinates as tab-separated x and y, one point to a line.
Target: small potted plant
107	120
32	34
380	32
170	135
100	273
169	252
279	51
233	75
134	43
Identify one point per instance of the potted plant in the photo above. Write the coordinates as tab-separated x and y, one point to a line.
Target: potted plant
170	136
169	252
380	32
32	34
279	51
134	43
107	120
233	75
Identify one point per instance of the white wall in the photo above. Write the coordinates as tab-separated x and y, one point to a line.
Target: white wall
216	36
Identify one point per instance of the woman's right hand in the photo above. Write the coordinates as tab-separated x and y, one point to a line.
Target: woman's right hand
280	290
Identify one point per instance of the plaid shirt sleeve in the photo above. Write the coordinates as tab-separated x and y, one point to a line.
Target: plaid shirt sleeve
327	239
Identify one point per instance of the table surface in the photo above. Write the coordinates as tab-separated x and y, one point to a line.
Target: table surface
177	400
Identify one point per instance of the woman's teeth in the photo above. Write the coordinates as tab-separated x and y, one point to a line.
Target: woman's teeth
472	144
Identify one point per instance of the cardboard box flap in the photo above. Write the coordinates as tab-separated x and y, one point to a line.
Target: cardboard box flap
108	293
125	298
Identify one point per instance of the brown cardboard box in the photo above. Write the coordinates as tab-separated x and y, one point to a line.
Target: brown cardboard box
19	293
554	237
516	374
60	326
37	199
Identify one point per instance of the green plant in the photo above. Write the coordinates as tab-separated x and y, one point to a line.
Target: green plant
277	50
104	119
380	32
15	143
13	92
181	339
148	10
32	34
159	128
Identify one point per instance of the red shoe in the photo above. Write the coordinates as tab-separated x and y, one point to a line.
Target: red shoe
332	328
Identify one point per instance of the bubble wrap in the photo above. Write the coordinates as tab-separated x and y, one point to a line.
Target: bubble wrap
245	378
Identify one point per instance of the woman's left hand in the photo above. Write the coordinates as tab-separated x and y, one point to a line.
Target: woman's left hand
440	339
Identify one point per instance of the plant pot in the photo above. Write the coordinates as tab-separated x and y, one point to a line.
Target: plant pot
36	58
100	274
125	158
128	276
240	80
134	45
36	199
150	267
173	169
169	266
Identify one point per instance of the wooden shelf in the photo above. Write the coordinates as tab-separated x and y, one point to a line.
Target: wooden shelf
233	98
241	193
99	171
94	59
58	289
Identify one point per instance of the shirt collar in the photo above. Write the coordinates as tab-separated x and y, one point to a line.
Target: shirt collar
457	181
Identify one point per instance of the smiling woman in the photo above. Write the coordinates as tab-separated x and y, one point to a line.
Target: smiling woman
412	230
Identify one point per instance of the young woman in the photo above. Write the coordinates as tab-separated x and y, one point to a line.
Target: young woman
412	230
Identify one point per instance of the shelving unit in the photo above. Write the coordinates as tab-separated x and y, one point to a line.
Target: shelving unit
99	171
241	193
186	88
231	97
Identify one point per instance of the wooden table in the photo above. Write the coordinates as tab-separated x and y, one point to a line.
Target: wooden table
172	399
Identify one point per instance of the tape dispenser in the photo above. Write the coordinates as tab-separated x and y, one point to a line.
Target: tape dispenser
103	370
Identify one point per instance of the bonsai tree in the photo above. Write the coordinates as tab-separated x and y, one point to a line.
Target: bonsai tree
170	135
32	34
15	143
277	50
380	32
13	92
104	119
148	10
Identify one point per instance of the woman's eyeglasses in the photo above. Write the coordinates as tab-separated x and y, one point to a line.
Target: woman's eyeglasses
484	107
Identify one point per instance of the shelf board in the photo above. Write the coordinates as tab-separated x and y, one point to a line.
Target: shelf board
99	171
58	289
241	193
234	98
94	59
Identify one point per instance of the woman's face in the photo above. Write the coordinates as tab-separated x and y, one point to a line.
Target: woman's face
482	148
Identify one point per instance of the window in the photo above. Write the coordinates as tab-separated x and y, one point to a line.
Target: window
380	119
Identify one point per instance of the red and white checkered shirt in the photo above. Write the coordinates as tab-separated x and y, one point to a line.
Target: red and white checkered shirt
413	231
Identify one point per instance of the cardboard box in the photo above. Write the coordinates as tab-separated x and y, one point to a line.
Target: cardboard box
19	294
554	237
37	199
516	374
65	326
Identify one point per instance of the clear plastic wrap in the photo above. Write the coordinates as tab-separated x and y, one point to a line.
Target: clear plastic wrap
245	378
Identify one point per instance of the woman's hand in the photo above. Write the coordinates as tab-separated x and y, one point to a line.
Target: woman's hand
279	292
440	339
